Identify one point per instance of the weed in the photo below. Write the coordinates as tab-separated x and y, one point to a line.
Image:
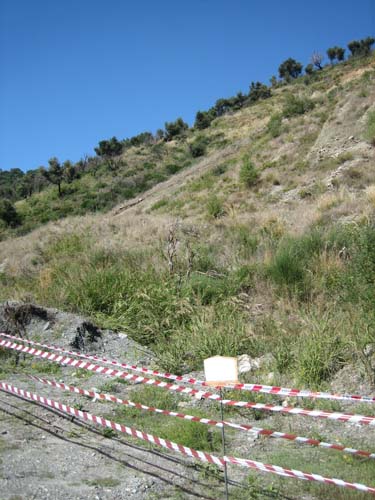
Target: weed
370	128
46	367
108	433
274	125
297	106
105	482
159	204
319	354
215	207
249	175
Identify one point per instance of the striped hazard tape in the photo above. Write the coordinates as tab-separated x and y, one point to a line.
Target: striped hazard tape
267	389
66	361
206	421
199	455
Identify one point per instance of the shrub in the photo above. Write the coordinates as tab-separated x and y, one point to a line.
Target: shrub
370	128
198	147
286	268
320	350
208	289
360	48
203	119
249	175
8	214
290	69
172	168
335	53
290	264
219	330
175	129
258	91
159	204
112	147
215	207
274	125
296	106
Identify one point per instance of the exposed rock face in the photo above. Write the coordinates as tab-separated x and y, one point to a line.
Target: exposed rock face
247	364
339	135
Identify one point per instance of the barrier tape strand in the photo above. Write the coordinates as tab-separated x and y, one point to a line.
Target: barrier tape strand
64	360
243	427
267	389
200	455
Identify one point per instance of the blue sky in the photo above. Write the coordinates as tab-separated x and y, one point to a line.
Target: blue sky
74	72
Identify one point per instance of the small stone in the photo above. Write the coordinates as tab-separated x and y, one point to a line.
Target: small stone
244	363
368	350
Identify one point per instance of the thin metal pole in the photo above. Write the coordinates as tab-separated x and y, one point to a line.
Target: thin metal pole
223	441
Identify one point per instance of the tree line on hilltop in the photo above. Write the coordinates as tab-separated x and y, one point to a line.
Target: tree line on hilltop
16	185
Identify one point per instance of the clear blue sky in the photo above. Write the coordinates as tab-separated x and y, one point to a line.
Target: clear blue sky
74	72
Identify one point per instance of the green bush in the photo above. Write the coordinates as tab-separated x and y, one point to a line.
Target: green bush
218	330
246	241
175	129
249	175
297	106
215	207
292	260
208	289
290	69
320	350
274	125
172	168
286	269
8	214
159	204
198	148
203	119
370	128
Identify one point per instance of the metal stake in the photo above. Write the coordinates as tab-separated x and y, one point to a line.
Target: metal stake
223	441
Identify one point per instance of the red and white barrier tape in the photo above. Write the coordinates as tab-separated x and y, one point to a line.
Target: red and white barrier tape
267	389
64	360
206	421
200	455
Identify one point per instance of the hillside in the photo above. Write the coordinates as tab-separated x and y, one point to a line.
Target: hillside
284	119
263	244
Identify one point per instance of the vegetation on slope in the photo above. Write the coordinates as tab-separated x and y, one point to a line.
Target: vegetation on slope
124	169
320	303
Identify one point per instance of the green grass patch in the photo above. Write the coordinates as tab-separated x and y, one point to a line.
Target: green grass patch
104	482
370	128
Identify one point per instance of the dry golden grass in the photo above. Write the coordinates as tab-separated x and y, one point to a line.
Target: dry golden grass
332	199
370	195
